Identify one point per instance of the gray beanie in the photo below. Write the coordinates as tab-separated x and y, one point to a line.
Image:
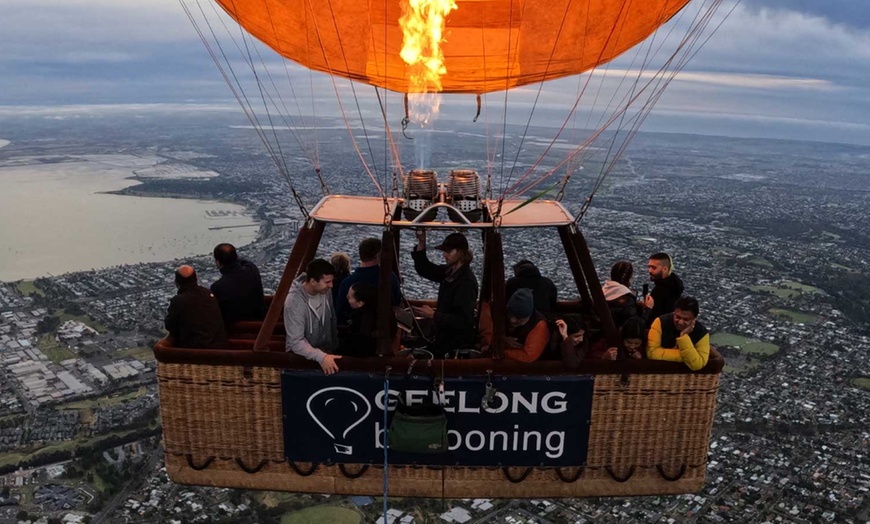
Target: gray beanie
521	304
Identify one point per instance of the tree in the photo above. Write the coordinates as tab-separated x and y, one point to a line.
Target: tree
74	309
48	324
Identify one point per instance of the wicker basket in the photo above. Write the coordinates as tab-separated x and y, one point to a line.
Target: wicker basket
222	426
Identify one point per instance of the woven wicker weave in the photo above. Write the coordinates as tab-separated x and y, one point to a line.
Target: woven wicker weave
222	426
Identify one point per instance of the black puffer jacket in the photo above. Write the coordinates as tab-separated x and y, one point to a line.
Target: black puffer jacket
457	296
543	289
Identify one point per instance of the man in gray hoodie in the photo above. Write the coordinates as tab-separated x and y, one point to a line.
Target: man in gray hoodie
309	316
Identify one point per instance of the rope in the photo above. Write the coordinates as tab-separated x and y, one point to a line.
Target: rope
341	105
574	108
656	86
313	158
506	91
537	95
689	51
239	94
386	434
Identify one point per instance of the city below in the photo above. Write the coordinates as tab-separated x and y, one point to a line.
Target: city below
770	236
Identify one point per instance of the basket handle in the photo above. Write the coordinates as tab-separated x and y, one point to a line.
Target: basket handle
356	475
620	479
253	470
516	480
669	478
301	472
201	467
572	479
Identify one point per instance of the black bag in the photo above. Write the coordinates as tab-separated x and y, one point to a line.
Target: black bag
418	429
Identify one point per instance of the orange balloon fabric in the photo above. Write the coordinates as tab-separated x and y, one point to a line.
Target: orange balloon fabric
489	45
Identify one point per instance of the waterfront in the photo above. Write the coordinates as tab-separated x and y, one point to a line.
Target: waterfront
57	218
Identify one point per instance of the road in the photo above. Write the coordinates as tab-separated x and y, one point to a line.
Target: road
129	487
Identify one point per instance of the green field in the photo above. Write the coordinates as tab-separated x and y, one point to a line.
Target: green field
794	316
143	353
727	339
722	251
758	261
863	382
322	515
272	499
85	319
757	347
788	289
27	287
54	350
778	291
105	401
749	365
747	345
15	458
801	287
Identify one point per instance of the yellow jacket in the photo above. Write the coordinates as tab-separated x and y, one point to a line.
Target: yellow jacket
664	342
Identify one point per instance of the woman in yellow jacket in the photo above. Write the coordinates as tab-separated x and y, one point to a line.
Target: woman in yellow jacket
679	337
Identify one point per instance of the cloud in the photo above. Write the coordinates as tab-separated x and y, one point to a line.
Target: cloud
850	13
755	81
775	59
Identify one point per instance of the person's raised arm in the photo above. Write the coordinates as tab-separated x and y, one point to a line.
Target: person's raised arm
422	265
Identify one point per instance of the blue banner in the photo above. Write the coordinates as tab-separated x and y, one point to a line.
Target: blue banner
524	421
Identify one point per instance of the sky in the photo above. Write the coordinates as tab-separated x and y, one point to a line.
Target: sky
793	69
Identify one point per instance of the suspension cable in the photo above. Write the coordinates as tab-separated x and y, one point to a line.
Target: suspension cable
239	94
341	105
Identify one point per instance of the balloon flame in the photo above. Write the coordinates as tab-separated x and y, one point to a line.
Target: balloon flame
422	25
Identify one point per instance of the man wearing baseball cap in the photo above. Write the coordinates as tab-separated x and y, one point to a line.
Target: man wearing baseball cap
453	316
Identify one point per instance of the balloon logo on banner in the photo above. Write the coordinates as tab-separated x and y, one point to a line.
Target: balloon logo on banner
339	410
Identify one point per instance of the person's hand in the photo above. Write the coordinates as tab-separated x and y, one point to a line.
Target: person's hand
634	353
688	329
421	239
610	354
563	328
424	311
648	302
328	364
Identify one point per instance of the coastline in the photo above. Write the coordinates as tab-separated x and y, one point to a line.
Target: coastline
115	232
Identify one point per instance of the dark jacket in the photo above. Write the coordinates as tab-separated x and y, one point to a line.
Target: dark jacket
337	280
239	292
457	296
370	275
665	294
361	339
543	289
194	319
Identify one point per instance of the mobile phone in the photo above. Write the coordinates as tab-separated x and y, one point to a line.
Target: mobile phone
645	290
